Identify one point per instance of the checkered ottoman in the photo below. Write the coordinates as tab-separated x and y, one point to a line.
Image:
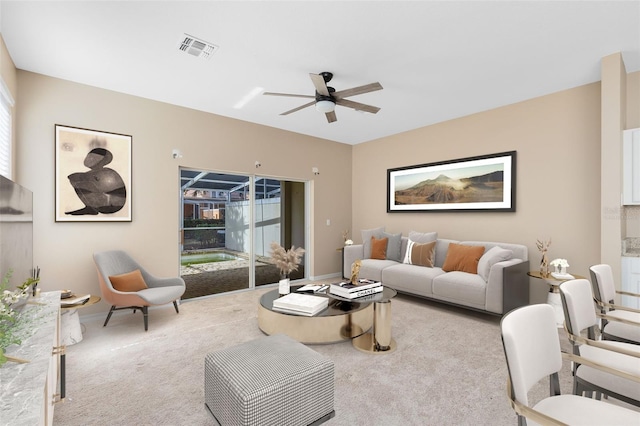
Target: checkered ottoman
273	380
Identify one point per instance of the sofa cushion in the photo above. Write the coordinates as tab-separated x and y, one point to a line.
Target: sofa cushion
420	254
462	258
462	288
410	278
372	268
394	246
491	257
366	239
379	248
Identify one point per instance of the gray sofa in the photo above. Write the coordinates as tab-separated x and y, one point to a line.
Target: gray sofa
497	288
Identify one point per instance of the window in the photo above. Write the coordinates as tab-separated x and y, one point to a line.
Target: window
6	105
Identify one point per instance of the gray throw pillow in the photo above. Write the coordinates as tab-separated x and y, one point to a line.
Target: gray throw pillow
366	239
394	245
422	237
491	257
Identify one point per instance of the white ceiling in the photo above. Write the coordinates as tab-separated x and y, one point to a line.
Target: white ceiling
435	60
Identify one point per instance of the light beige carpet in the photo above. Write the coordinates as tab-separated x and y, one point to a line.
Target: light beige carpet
448	369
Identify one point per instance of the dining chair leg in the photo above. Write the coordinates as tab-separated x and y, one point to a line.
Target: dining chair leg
175	305
145	312
109	316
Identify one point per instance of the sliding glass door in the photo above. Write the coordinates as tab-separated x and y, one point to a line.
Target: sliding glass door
228	223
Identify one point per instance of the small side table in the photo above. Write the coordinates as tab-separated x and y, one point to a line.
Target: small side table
379	340
553	297
70	330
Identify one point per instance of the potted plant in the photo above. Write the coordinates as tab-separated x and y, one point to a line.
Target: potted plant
287	261
10	301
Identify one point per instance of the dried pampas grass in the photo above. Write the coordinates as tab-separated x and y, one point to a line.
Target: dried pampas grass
286	260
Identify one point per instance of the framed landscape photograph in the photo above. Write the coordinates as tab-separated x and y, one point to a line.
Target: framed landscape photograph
93	175
484	183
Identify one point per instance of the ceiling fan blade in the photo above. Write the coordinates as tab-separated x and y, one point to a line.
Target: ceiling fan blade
299	108
320	85
371	87
288	94
331	116
357	106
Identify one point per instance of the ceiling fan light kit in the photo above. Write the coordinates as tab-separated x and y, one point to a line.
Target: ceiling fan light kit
325	106
326	98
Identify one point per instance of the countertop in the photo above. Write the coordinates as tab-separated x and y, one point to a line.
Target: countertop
22	385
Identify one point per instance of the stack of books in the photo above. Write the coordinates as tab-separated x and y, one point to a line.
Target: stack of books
300	304
74	300
350	290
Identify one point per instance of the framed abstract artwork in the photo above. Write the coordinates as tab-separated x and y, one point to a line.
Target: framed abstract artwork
93	175
484	183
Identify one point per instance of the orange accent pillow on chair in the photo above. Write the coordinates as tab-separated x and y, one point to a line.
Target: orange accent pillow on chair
129	282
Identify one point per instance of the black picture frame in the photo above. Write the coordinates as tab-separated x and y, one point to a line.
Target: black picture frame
472	184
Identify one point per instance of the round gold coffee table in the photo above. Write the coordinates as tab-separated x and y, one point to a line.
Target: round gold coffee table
342	320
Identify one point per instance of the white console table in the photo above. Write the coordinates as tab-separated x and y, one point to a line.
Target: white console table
28	391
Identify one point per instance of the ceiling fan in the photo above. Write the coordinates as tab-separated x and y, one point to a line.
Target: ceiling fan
326	97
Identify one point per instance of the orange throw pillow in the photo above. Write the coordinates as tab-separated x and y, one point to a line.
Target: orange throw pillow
462	258
129	282
379	248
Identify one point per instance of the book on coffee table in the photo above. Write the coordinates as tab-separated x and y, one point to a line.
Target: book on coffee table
361	288
355	294
300	304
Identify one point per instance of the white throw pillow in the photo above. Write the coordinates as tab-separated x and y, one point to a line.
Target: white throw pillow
491	257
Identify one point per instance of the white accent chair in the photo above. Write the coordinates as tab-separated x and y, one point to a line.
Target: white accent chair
160	291
532	350
620	323
580	315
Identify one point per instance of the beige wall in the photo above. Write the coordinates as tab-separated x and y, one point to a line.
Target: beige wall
633	100
631	225
209	142
557	139
613	118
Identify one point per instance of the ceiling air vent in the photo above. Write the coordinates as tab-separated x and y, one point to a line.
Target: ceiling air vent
197	48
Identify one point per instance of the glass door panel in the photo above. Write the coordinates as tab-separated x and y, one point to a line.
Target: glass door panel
280	217
268	228
215	255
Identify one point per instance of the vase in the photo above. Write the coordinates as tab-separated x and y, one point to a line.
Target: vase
284	286
544	265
